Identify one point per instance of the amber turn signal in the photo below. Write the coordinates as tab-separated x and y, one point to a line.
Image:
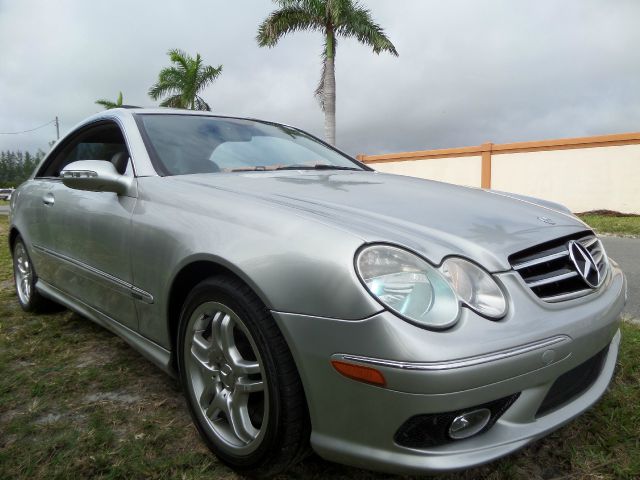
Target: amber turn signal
359	373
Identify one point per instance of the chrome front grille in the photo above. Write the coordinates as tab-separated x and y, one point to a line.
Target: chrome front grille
549	271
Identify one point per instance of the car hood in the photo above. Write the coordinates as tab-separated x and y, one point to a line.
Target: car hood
433	218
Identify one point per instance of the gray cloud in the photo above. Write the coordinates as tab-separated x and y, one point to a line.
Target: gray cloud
468	71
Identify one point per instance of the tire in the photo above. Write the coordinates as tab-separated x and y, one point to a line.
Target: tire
25	279
241	383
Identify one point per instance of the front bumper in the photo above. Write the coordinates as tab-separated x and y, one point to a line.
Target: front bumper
430	372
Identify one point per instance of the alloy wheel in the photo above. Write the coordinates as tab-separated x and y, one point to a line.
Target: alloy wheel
226	378
23	273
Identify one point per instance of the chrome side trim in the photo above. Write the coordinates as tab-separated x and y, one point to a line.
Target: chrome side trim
555	278
567	296
126	287
536	261
453	364
153	352
140	294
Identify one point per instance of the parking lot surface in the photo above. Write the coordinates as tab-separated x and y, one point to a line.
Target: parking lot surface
626	251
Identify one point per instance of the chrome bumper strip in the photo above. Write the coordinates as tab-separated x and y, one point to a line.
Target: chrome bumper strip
453	364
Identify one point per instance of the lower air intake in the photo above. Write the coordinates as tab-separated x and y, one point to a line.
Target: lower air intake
571	384
432	429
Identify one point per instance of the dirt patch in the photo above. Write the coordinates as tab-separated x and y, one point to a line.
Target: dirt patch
8	440
6	417
115	397
95	356
24	363
48	419
55	417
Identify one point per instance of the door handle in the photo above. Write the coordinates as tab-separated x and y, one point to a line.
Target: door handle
48	199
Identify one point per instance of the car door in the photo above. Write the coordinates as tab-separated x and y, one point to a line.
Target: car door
91	231
35	229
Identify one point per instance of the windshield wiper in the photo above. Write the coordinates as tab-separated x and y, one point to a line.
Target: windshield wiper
259	168
320	166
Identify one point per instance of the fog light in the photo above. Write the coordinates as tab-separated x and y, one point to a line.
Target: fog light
469	423
433	429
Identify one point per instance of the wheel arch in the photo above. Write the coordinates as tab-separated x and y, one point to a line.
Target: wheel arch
13	234
192	272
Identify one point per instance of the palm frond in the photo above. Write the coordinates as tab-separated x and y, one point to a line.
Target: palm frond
288	3
182	82
200	104
180	58
284	21
163	87
107	104
208	74
174	101
172	76
315	7
339	10
360	25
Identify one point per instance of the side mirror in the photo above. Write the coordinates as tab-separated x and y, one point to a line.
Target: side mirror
97	176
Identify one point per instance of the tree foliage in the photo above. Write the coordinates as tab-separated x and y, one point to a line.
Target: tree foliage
181	84
108	104
333	18
15	167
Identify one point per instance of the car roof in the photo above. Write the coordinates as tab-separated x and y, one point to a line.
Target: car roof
128	111
133	110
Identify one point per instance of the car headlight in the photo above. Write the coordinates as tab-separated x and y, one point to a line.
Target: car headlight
476	288
407	285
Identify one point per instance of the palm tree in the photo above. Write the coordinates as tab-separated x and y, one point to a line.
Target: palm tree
182	82
108	104
333	18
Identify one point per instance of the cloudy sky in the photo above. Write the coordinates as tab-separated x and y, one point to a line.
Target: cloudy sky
469	71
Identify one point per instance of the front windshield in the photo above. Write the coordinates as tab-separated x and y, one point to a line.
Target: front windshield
185	144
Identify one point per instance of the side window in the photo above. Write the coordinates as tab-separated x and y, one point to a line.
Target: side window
101	142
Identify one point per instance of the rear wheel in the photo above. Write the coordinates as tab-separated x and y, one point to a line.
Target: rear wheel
241	383
25	281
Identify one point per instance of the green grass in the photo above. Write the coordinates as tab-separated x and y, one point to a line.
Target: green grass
77	402
617	225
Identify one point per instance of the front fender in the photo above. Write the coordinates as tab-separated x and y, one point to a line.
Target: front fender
293	262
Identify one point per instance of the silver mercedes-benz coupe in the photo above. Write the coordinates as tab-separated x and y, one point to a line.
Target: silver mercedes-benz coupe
302	298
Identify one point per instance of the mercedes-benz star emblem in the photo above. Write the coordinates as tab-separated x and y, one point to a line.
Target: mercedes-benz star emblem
584	263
